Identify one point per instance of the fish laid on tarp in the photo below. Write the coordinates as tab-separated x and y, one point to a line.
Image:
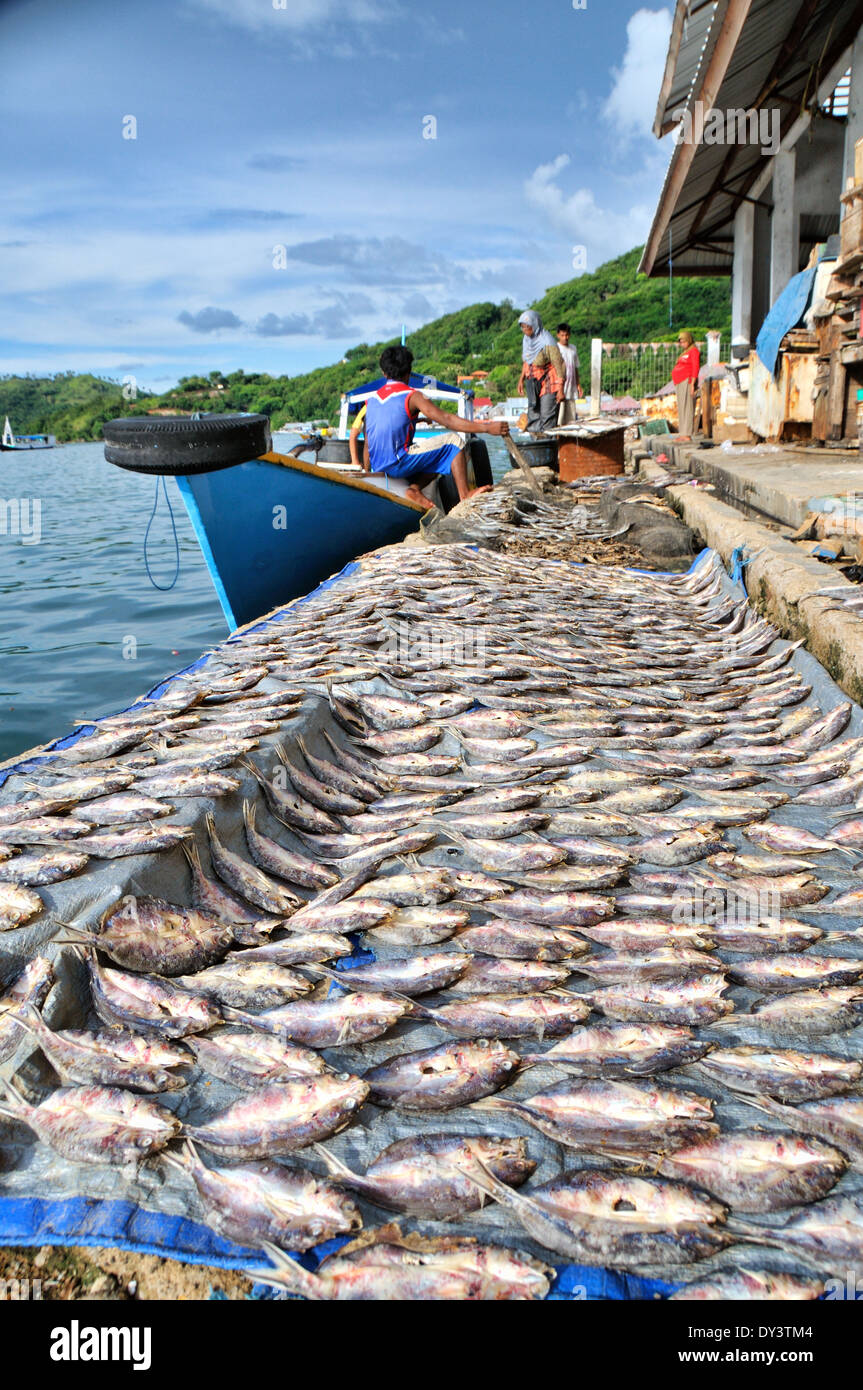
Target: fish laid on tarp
30	987
283	1117
115	1058
759	1172
442	1077
396	1267
259	1202
95	1124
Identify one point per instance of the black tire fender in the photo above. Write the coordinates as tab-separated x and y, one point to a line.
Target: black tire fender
177	445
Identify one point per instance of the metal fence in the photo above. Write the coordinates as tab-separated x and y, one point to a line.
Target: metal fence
642	369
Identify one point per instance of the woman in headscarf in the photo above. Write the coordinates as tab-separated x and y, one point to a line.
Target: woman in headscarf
685	378
543	374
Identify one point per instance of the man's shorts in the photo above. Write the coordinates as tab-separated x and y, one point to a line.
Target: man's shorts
432	455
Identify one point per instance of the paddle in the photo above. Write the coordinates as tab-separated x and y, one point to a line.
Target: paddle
515	452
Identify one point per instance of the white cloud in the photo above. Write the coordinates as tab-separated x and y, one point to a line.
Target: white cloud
631	104
605	234
295	15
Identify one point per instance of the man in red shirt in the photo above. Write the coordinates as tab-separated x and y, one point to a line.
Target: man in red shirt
685	377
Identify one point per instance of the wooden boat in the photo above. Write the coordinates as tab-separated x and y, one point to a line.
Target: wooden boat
10	440
275	527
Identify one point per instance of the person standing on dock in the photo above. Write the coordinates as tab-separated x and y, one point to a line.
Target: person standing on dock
543	374
572	383
391	418
685	377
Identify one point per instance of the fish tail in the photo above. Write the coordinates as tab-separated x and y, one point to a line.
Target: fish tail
286	1273
190	849
248	815
336	1168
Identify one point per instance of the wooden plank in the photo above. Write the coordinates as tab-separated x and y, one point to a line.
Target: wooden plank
836	397
515	453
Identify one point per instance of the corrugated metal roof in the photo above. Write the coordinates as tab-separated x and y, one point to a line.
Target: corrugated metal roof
784	54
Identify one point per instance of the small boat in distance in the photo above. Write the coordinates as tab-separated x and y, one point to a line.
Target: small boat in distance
10	440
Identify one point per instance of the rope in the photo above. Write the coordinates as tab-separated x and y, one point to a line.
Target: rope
165	588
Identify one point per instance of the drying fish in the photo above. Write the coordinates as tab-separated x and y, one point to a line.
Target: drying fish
421	888
678	847
362	788
136	839
472	887
664	963
293	811
766	938
153	936
552	1014
622	1049
116	1058
412	976
635	934
385	712
848	904
274	858
43	830
95	1124
338	1021
749	1285
198	783
791	839
492	975
17	905
420	1177
520	941
687	1002
597	1115
759	1172
497	825
795	972
217	901
388	1266
836	1119
262	1202
418	926
317	793
394	742
622	1222
558	909
442	1077
299	948
39	867
244	984
808	1013
252	1059
145	1004
279	1119
31	987
126	808
828	1235
786	1076
251	883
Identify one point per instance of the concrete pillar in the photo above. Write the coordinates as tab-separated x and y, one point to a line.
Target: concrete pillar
595	376
854	128
714	346
785	224
742	279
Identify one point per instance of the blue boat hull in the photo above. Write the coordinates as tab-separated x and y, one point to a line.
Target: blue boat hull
276	527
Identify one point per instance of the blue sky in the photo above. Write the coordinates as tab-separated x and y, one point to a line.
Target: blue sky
279	202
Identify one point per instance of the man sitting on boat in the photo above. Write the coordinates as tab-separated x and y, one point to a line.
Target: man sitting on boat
391	420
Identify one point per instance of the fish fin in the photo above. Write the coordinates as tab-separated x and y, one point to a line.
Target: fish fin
248	815
287	1274
335	1167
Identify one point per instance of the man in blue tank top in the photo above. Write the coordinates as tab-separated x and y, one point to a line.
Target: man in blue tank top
391	420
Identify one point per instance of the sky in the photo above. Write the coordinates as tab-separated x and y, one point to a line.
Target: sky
260	184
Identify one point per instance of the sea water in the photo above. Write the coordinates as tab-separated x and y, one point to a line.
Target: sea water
83	630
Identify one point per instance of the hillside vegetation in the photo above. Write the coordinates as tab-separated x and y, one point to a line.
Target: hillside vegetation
612	303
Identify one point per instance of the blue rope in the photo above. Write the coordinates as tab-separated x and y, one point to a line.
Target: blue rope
165	588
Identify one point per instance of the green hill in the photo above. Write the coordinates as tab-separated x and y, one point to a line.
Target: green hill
612	303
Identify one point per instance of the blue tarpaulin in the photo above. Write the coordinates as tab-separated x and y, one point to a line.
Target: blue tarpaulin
785	315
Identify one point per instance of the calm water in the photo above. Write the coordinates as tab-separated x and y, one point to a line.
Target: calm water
71	602
82	630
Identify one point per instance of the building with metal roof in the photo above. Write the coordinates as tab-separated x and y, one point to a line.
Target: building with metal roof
765	99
